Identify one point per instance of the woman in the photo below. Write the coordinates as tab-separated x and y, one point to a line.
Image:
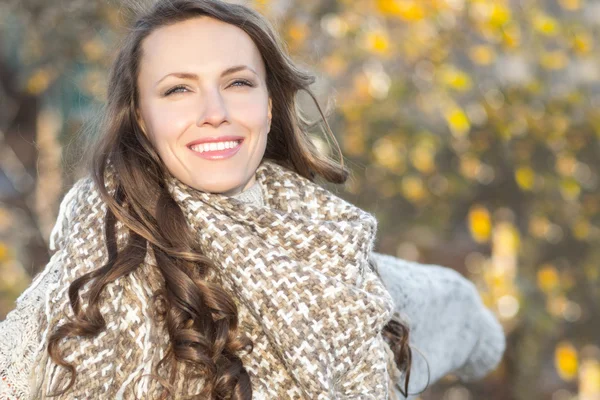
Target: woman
200	259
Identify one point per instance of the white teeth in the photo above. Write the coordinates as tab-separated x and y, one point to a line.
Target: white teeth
201	148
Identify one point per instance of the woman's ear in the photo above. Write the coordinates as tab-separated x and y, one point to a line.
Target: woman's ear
140	121
270	108
270	114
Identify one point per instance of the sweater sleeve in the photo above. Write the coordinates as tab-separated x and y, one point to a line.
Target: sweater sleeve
19	342
451	330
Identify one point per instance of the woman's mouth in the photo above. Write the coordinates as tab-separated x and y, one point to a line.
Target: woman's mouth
217	150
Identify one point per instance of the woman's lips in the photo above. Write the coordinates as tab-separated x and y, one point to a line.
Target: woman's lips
218	154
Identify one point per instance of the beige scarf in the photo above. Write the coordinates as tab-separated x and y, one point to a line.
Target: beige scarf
297	268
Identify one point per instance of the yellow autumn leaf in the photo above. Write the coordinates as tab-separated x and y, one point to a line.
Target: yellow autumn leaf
487	299
591	271
570	5
362	87
482	54
413	11
354	140
499	15
262	5
566	360
583	43
507	239
570	189
389	154
4	252
547	278
388	7
455	78
413	188
408	10
470	166
554	60
334	65
511	36
525	177
113	16
581	229
539	226
378	42
566	164
40	80
458	122
545	24
480	223
93	49
297	32
423	158
556	305
498	282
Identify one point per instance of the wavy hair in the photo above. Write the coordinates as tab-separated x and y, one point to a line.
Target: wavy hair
201	318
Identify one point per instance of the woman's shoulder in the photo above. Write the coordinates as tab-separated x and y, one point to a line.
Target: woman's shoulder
83	193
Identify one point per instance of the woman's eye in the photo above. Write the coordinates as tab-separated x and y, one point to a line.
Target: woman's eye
243	82
174	90
180	88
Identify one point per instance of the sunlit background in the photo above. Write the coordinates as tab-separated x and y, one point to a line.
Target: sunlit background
472	128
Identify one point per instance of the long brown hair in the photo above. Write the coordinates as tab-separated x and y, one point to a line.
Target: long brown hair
142	203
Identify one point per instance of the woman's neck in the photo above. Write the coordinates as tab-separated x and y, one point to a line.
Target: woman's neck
253	194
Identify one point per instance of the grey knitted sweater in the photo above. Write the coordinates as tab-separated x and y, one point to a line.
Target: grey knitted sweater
450	328
451	331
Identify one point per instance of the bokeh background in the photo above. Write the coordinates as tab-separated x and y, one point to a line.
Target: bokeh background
472	129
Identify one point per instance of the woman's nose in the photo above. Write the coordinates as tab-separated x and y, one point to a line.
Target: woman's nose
213	109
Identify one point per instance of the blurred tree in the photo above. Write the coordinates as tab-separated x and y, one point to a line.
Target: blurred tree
472	128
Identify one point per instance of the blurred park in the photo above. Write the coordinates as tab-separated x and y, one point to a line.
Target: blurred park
472	129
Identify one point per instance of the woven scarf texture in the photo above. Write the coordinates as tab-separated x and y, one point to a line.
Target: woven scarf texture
297	268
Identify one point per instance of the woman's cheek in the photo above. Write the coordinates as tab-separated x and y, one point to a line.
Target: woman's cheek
170	122
252	111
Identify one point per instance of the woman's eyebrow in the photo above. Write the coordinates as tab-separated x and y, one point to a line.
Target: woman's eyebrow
190	75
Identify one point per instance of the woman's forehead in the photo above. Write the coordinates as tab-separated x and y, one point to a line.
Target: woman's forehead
201	45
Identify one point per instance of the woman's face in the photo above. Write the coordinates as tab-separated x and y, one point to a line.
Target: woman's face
203	79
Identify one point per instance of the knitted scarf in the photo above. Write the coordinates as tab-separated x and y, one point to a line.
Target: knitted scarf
298	270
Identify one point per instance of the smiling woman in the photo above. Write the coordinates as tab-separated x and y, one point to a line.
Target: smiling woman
221	98
165	281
